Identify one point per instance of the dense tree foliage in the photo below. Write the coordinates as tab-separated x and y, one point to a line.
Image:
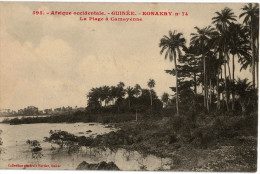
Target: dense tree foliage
208	58
118	99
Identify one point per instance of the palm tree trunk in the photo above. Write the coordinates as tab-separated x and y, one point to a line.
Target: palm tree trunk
233	95
129	104
177	94
218	94
253	55
204	73
225	74
151	97
257	62
201	77
229	72
213	91
209	94
135	114
195	84
257	74
221	74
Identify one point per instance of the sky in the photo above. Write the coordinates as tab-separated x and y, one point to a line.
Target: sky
53	61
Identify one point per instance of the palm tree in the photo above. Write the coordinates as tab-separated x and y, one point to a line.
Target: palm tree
251	14
137	90
120	93
105	94
237	44
201	40
242	89
224	18
222	21
121	85
137	93
211	75
217	42
113	94
165	99
171	45
130	92
151	84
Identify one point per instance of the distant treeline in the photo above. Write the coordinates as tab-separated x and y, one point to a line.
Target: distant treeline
79	116
33	110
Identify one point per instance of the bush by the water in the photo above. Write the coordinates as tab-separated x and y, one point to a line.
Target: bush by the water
99	166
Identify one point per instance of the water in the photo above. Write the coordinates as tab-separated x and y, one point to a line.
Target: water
16	151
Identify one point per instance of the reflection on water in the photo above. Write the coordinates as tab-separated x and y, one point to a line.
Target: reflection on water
17	151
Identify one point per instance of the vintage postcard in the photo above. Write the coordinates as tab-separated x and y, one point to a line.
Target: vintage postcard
129	86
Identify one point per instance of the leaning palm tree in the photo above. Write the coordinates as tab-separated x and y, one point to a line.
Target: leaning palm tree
222	20
151	84
172	45
201	39
251	19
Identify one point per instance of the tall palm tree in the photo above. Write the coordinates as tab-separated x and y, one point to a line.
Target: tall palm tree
217	43
151	85
251	18
211	71
201	39
237	44
120	93
130	94
222	21
224	18
137	93
172	45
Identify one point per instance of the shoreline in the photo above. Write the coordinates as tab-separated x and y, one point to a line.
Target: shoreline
240	149
210	143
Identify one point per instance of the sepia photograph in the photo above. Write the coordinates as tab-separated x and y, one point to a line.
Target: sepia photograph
129	86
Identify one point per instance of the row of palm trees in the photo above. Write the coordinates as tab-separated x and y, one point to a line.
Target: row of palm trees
114	95
213	46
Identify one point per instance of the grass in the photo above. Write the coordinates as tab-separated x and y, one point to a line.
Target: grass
207	143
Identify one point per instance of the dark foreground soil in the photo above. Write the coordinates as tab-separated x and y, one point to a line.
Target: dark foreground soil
223	144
